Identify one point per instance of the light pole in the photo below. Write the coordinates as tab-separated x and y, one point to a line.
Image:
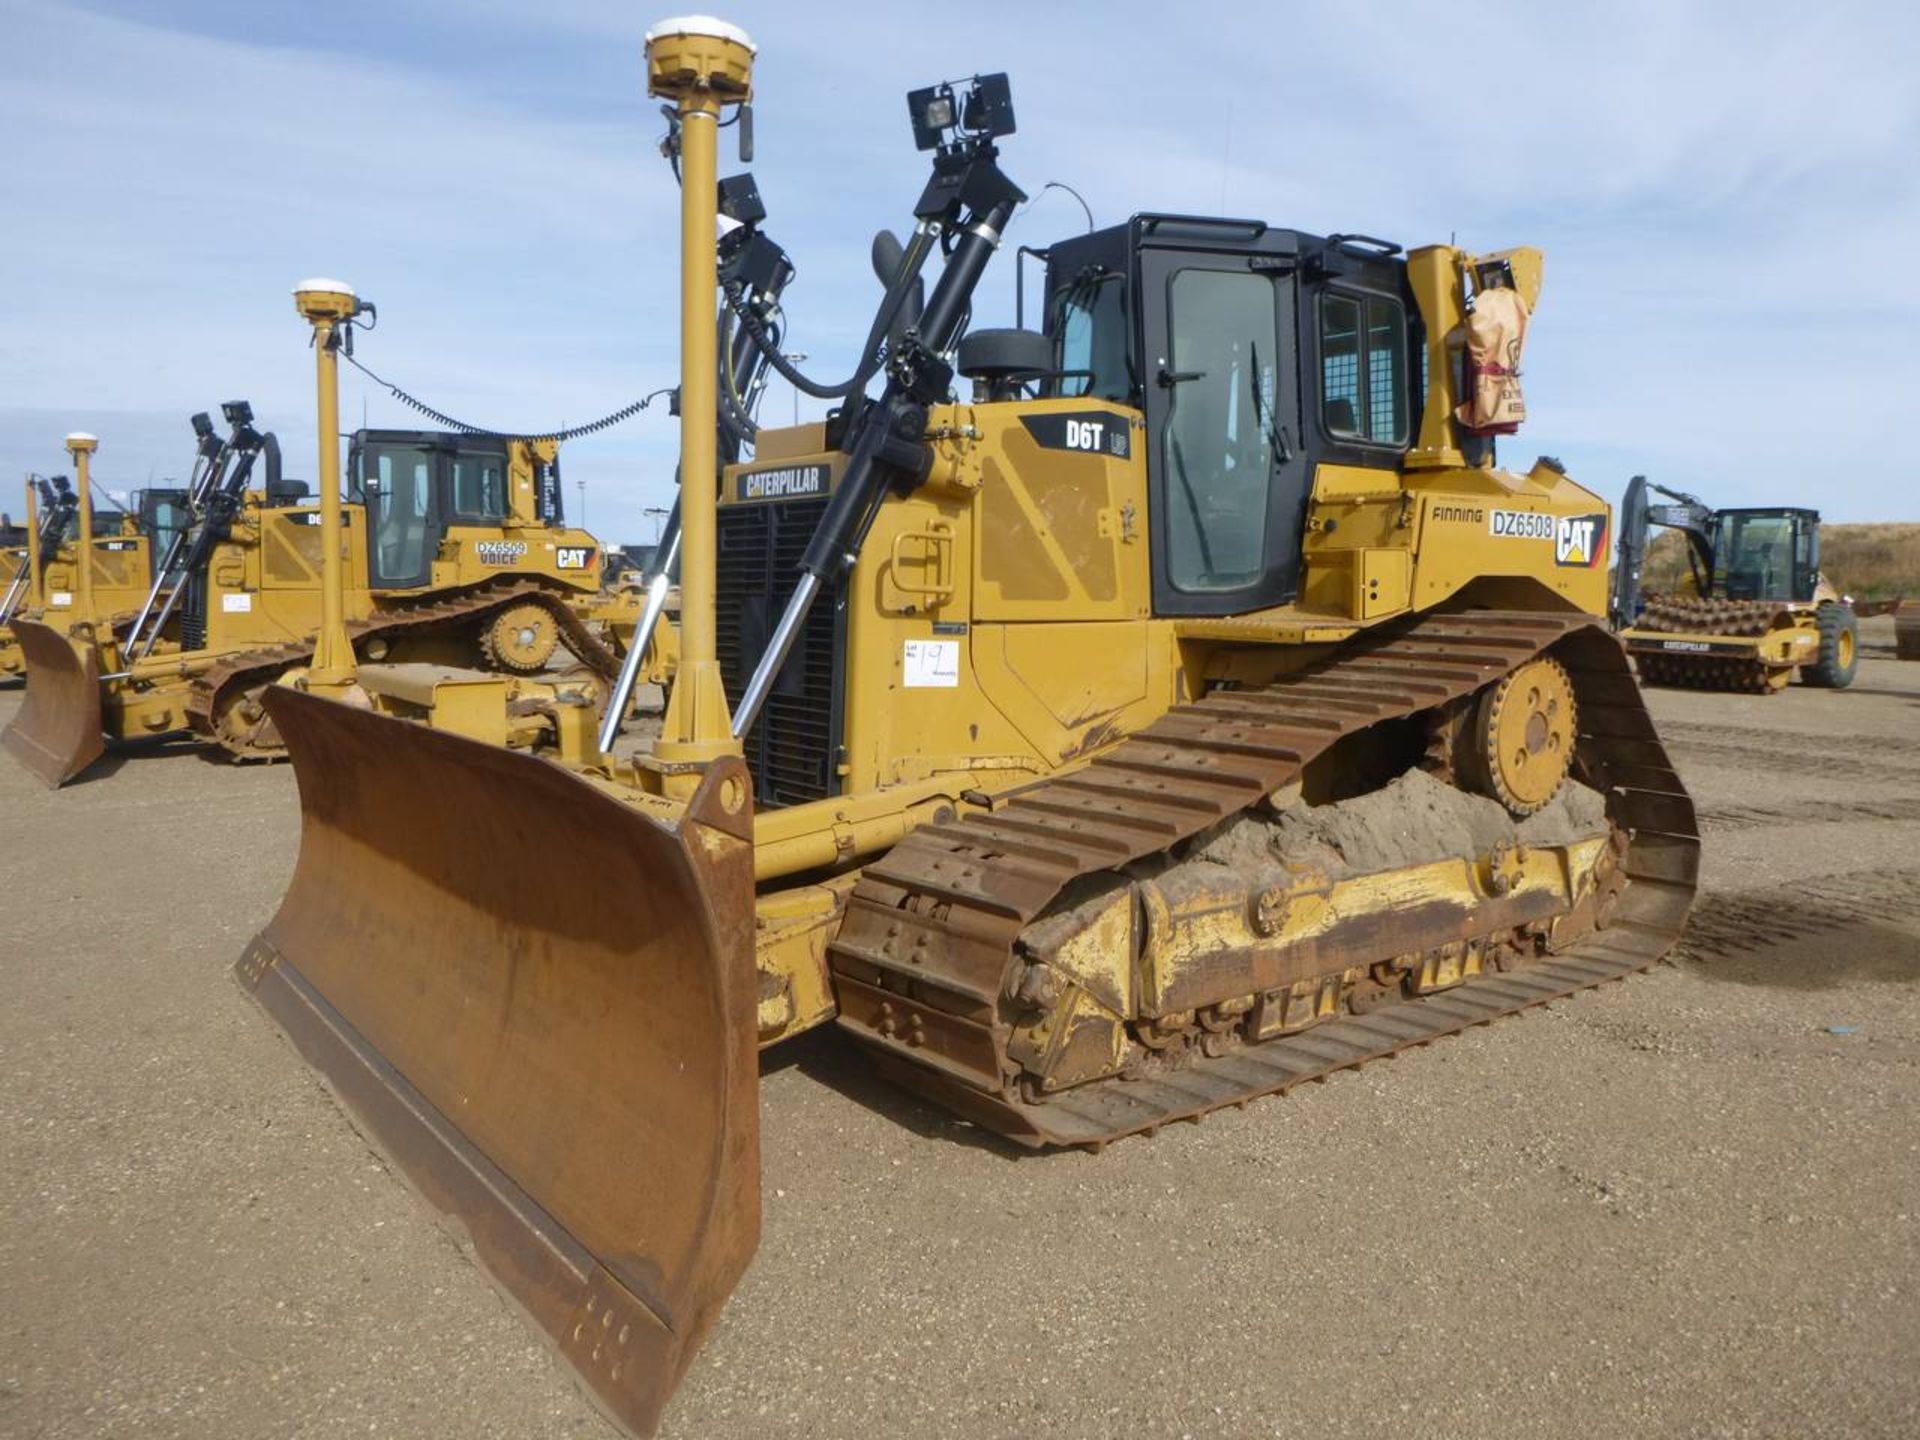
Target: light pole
582	483
659	515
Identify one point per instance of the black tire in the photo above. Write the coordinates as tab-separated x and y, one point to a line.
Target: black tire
1839	648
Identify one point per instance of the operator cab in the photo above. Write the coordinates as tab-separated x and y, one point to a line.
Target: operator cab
1255	355
415	484
164	516
1766	554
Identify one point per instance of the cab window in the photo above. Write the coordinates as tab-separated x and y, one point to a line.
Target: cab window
1218	440
1090	326
398	481
479	485
1363	368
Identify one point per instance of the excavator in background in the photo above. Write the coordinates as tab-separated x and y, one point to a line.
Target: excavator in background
1753	608
1194	708
47	583
461	558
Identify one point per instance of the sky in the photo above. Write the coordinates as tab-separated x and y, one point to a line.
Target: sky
1728	196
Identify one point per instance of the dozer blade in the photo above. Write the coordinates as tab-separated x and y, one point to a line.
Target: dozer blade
540	1004
57	733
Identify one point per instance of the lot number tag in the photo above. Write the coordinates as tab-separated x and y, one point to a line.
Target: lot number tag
931	664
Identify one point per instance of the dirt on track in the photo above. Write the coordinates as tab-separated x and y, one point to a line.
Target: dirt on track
1685	1205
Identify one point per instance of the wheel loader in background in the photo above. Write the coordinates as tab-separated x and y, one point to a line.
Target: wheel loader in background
462	558
1193	709
1753	608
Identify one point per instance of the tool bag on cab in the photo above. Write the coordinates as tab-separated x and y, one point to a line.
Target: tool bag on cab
1495	334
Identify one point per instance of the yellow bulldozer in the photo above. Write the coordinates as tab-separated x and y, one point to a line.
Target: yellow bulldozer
1103	724
456	554
13	554
1752	609
39	575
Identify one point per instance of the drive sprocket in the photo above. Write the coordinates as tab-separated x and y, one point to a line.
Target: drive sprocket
1517	744
521	639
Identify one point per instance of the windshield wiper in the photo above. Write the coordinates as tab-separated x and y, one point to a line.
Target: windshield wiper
1276	434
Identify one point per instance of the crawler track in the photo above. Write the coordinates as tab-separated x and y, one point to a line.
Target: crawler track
216	689
922	959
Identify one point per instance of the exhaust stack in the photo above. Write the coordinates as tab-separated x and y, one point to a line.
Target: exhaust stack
699	64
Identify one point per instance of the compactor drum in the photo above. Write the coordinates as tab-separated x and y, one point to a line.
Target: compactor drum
1176	704
1751	612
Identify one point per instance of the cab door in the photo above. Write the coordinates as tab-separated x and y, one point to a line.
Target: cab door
1227	478
401	482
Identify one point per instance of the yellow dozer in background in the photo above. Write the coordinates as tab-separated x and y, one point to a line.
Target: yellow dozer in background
1752	609
1177	703
42	571
455	553
31	547
14	565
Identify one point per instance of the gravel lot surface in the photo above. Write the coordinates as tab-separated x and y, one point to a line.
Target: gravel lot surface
1688	1205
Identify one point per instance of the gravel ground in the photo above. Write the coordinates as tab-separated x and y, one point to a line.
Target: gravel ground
1687	1205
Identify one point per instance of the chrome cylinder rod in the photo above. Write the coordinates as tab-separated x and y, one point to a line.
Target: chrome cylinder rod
657	588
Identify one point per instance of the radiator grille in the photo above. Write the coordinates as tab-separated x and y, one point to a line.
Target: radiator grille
192	612
793	749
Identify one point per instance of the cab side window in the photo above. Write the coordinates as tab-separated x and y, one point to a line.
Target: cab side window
1090	329
1363	368
479	486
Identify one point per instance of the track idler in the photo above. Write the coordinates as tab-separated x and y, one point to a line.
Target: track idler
539	1002
57	733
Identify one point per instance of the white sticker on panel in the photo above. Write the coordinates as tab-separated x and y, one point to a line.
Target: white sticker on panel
931	665
236	604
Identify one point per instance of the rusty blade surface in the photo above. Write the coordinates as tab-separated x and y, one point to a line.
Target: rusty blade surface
57	733
540	1004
